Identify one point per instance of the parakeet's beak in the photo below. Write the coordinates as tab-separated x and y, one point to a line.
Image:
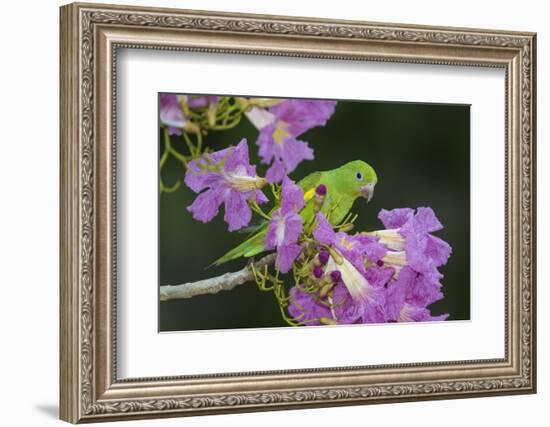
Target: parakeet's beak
367	191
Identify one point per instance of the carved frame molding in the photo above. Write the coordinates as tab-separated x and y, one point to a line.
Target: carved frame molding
90	37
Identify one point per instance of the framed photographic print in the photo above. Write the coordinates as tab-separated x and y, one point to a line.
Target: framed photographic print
265	212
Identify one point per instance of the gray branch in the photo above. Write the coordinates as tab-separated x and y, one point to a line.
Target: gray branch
225	282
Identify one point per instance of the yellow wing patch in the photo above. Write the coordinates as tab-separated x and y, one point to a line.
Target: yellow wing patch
309	194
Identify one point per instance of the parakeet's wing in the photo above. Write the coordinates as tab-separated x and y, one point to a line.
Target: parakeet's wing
338	203
250	247
253	229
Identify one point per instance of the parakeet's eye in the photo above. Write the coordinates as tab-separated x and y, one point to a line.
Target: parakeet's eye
359	176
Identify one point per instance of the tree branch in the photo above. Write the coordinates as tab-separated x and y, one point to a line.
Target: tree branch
225	282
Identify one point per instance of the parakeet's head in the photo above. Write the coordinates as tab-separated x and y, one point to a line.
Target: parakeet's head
359	177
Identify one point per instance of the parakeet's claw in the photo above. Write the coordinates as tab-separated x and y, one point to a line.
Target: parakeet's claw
367	191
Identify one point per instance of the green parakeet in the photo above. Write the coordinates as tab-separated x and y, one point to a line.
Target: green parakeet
344	185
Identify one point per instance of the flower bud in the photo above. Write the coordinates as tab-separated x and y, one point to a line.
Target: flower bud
326	289
335	276
336	256
323	257
211	114
318	272
319	198
321	190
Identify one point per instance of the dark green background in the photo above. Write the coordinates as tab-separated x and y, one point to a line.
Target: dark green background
421	153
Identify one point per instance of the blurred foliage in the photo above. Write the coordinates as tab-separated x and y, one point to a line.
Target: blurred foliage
421	153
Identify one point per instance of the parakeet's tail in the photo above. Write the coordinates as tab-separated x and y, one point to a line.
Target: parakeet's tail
250	247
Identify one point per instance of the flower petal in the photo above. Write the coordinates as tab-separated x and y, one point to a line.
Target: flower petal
293	228
170	112
304	114
323	232
358	286
274	230
238	156
438	250
424	221
260	197
294	152
347	310
292	196
277	140
379	276
304	308
395	218
424	290
206	206
396	293
276	172
237	211
415	247
286	255
266	143
373	310
411	313
202	101
260	117
197	179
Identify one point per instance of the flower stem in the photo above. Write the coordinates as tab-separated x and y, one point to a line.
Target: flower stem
171	150
165	154
256	208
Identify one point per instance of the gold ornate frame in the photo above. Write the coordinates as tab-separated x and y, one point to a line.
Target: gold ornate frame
90	36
